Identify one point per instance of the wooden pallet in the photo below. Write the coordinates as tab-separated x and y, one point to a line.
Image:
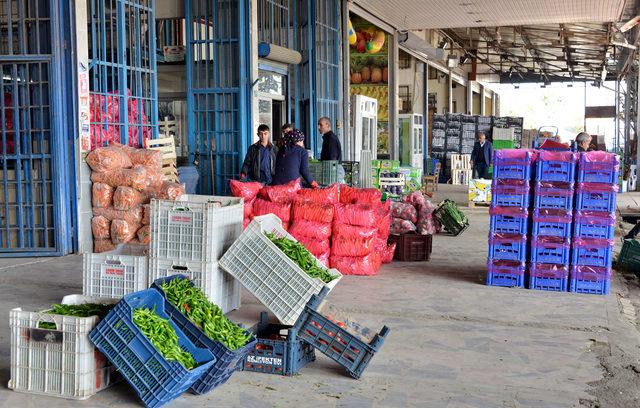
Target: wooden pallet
167	147
473	204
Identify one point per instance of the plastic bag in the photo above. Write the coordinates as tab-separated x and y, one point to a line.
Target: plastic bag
328	195
351	195
365	265
101	195
310	230
247	190
280	210
146	214
341	246
315	246
149	158
135	177
284	193
132	216
144	235
363	215
168	190
122	231
103	245
400	226
324	258
125	198
106	159
306	210
348	232
100	226
416	199
404	211
540	270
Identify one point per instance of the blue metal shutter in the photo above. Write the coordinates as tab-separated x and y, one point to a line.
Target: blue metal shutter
217	93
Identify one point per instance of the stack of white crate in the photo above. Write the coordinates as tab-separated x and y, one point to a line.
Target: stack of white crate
461	170
189	236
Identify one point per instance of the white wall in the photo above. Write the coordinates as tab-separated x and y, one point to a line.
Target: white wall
460	98
439	87
169	8
415	80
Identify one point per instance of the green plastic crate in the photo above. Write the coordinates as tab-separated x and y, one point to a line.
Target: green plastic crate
451	218
324	172
629	259
503	144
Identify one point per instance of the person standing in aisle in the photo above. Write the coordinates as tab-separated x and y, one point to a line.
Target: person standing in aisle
292	161
286	128
583	140
331	148
260	162
481	156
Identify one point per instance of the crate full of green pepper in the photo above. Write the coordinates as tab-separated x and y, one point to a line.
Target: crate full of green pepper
269	264
51	353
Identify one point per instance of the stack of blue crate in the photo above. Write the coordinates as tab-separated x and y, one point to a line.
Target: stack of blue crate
552	219
509	227
592	249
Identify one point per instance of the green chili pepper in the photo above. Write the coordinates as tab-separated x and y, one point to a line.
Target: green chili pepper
302	257
83	310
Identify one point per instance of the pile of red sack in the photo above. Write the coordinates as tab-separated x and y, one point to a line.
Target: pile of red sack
105	120
413	214
124	180
345	228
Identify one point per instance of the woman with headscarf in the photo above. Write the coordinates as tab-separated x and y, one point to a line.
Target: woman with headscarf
292	161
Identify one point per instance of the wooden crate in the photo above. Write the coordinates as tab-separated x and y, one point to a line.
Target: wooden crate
167	147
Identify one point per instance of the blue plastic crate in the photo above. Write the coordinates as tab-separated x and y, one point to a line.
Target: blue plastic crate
511	171
598	167
508	248
552	229
553	195
549	252
284	355
597	254
605	176
549	277
595	200
508	224
594	281
510	200
510	193
336	342
227	361
590	229
155	380
506	274
551	170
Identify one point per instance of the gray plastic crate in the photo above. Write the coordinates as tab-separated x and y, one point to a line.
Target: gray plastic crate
324	172
274	279
116	273
195	227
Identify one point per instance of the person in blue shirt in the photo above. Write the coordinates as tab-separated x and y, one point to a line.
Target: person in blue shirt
260	162
292	161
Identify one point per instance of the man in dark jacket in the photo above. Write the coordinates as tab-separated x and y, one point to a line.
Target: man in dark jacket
583	140
260	162
481	156
331	149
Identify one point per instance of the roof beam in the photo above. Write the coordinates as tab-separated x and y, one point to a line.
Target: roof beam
567	50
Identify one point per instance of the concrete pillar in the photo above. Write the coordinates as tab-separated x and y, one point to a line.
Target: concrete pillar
495	100
450	94
469	110
483	100
394	140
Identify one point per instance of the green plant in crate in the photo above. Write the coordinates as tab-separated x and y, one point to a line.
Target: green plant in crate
83	310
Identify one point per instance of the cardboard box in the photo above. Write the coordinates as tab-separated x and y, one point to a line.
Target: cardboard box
480	191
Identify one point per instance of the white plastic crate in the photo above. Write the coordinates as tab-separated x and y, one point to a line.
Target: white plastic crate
116	273
195	227
62	362
220	287
274	279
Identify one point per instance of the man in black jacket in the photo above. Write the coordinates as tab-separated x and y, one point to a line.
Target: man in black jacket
481	156
331	149
260	162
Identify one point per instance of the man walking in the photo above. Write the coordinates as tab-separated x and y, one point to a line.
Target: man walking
481	156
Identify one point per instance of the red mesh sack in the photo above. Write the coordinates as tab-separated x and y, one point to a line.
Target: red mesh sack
416	199
100	227
341	246
135	177
103	245
105	159
168	190
144	235
348	232
149	158
248	208
310	230
122	231
280	210
132	216
384	225
328	195
315	246
365	265
245	223
248	190
351	195
284	193
400	226
387	255
146	214
101	195
324	258
125	198
363	215
310	211
404	211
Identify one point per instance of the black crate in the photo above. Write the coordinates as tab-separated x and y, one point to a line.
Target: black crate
412	247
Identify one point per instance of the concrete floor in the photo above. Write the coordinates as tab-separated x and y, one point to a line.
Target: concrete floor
454	342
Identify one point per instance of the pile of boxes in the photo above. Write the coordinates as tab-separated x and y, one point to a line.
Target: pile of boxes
390	178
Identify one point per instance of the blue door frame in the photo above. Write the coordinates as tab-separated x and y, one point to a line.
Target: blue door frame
36	139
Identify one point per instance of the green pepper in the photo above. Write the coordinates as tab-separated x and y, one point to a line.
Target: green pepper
302	257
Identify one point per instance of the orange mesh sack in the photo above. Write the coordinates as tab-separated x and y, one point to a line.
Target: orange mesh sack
167	191
311	211
125	198
365	265
151	159
363	215
132	216
103	245
100	227
301	229
105	159
328	195
146	214
342	246
101	195
122	231
280	210
135	177
144	235
351	195
284	193
247	190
